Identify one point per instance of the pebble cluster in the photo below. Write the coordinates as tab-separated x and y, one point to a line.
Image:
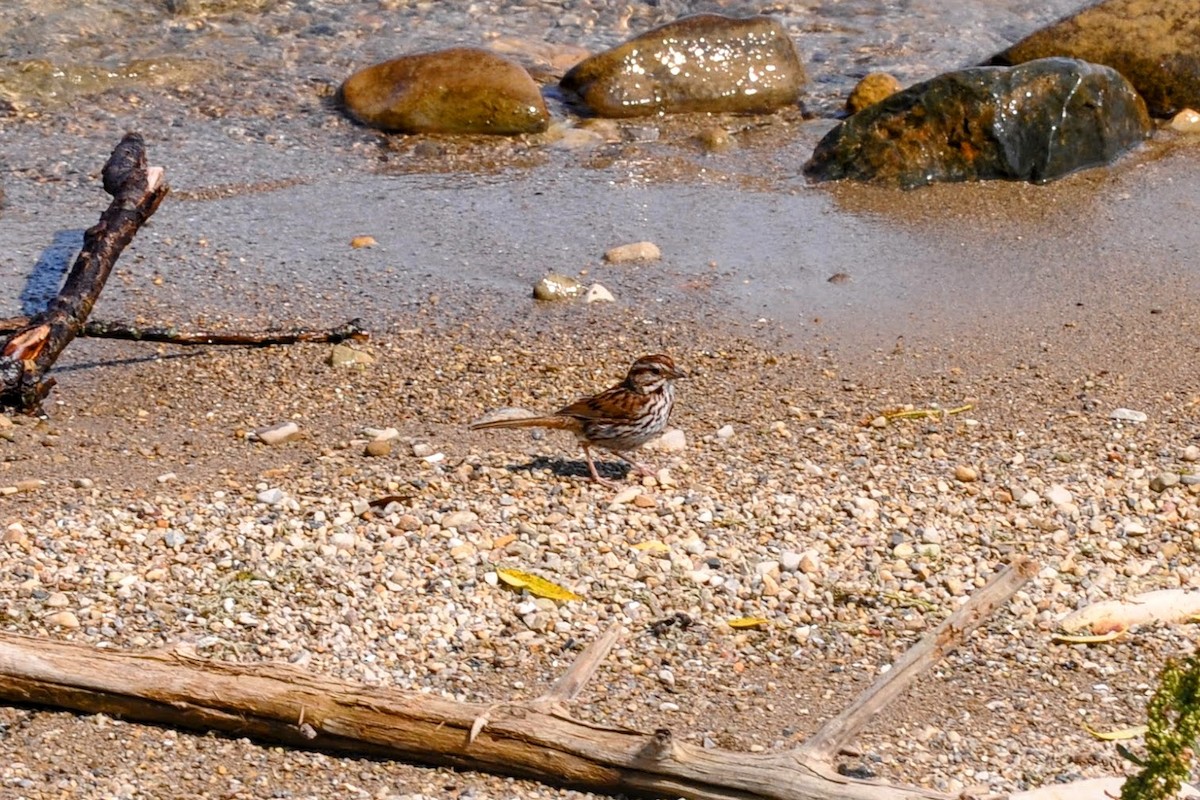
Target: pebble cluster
132	522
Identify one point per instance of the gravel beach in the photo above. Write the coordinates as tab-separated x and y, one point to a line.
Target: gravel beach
146	518
139	513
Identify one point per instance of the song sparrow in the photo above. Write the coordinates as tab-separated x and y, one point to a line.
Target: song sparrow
619	419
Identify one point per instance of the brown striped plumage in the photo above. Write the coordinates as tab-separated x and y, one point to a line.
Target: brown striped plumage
619	419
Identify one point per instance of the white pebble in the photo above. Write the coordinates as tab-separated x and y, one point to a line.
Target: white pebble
277	433
596	293
343	540
725	432
624	496
673	440
1128	415
271	497
458	519
1059	495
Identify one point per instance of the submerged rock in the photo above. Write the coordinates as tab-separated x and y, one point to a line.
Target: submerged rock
706	62
460	90
1035	122
1156	46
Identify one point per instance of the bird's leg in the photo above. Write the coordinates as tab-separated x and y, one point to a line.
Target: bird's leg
587	453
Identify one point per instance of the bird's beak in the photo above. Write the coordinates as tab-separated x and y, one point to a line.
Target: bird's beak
678	373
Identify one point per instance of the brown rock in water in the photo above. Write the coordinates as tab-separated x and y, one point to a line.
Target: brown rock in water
870	90
706	62
461	90
1035	122
1156	45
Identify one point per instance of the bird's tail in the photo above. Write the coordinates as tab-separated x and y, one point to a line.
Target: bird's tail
532	421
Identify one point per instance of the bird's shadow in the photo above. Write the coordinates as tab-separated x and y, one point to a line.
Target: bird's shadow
612	470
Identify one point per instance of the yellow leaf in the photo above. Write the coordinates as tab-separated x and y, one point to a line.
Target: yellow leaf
1098	638
538	587
747	622
1117	735
653	546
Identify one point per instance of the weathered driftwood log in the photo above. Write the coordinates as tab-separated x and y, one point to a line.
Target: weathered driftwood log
113	329
536	739
28	354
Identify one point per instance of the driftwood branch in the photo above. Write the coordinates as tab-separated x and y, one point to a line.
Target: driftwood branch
282	703
837	732
354	329
27	355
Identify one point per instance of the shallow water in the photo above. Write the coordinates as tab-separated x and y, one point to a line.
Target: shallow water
89	45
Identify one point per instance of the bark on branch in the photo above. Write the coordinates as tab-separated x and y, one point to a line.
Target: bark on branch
27	355
537	739
113	329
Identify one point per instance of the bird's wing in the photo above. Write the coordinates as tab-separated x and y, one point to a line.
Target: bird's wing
603	406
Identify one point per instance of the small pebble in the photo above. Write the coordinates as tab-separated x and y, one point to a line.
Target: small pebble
1163	481
635	251
624	496
1128	415
557	287
63	619
1059	495
715	139
1186	121
596	293
343	540
672	440
278	433
965	474
459	519
343	355
378	447
271	497
725	432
